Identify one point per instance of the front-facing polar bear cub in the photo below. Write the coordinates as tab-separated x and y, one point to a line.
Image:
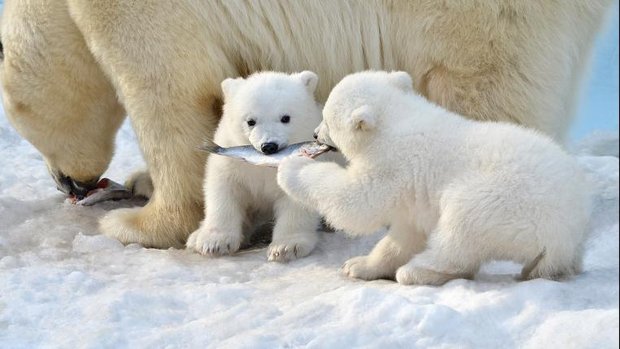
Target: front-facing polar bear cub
455	193
268	110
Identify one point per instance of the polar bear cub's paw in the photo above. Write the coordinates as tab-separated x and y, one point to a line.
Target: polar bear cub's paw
291	247
361	268
214	242
413	275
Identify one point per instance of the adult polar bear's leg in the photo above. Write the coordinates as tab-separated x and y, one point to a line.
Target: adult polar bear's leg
54	92
158	60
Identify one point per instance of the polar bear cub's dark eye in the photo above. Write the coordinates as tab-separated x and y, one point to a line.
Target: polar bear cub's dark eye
251	122
285	119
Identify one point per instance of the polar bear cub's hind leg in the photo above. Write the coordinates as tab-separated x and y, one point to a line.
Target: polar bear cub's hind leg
401	243
439	263
552	267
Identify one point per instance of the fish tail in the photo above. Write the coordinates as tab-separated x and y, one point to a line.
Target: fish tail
211	147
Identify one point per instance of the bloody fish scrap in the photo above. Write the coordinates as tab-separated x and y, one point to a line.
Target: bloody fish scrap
106	190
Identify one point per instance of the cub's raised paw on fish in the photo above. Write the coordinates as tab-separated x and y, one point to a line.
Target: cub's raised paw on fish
289	169
292	247
214	242
361	267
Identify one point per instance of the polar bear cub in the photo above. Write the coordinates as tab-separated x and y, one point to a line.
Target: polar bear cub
455	193
268	110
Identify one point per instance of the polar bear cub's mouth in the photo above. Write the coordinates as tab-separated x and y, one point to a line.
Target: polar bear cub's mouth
321	136
331	147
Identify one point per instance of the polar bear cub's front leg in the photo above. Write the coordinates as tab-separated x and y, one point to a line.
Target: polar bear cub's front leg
221	232
295	232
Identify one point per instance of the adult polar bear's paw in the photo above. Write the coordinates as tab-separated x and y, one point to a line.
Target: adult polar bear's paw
361	268
292	247
140	184
214	242
128	225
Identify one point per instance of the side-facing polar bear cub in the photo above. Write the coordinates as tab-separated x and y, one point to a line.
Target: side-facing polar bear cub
268	110
455	193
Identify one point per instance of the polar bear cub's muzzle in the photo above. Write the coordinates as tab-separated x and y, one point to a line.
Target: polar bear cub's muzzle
321	134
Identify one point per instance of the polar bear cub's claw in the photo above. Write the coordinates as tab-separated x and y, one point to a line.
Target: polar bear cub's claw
361	268
214	242
291	248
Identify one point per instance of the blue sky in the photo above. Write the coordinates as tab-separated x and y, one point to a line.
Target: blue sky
598	108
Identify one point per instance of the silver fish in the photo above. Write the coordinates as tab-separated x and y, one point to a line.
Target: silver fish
106	190
250	155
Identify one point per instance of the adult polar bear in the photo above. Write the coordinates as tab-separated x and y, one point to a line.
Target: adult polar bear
73	68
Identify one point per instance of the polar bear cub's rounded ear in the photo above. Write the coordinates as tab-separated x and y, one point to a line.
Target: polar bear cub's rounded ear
309	79
230	86
401	80
363	118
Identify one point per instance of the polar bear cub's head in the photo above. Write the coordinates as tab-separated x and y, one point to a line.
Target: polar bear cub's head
271	110
357	107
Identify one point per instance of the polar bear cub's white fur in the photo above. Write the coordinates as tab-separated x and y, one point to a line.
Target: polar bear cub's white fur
268	110
455	193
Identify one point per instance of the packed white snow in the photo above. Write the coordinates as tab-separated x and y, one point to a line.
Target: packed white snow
62	284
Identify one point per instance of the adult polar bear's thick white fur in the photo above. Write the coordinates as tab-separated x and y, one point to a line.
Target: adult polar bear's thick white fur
73	68
268	110
455	193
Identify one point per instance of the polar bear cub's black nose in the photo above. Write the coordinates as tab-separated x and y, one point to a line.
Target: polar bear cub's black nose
269	148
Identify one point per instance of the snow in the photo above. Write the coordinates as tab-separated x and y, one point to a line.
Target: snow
64	285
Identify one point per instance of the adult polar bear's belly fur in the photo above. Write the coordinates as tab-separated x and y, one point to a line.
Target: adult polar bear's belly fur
455	193
72	69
